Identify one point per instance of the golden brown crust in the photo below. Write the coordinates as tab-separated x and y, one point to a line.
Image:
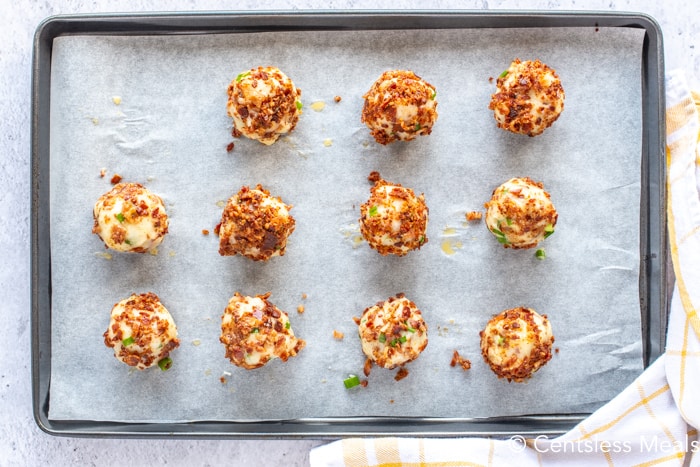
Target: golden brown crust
255	225
529	98
399	106
256	327
144	318
394	220
516	343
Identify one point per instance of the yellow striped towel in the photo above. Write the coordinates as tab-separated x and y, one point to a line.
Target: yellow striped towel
651	422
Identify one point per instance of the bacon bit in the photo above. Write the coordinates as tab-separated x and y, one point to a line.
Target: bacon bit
401	374
301	309
304	296
223	380
116	178
230	146
391	401
368	367
337	334
556	350
374	176
463	362
103	172
474	215
490	79
205	232
356	320
235	132
217	228
337	98
364	383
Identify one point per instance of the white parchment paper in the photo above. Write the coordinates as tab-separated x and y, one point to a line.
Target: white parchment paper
169	131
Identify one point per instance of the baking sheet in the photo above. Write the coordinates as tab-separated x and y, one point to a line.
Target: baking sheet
170	132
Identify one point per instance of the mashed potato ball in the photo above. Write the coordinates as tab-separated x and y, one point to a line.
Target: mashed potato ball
516	343
520	213
264	104
528	99
393	332
142	332
394	220
130	218
399	106
254	331
255	224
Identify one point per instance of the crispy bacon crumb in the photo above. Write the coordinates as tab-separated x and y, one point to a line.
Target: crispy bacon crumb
401	374
301	309
457	359
205	232
474	215
223	380
337	334
304	296
364	383
337	98
367	369
556	350
374	176
230	146
103	172
116	178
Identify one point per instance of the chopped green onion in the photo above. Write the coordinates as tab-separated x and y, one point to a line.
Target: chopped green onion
403	339
119	216
165	364
373	210
254	330
501	340
287	325
398	340
408	327
504	74
128	341
351	381
241	76
500	236
299	105
548	230
432	97
540	254
421	240
128	242
509	221
417	126
382	338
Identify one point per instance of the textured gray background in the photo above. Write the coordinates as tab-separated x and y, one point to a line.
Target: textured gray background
21	441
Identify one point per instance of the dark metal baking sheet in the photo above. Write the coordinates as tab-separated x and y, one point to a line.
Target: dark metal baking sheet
653	286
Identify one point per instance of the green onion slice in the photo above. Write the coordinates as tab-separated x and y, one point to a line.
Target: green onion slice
165	364
421	240
241	76
287	325
540	254
128	341
255	330
373	210
299	105
548	230
351	381
382	338
120	217
417	126
432	96
501	340
504	74
500	236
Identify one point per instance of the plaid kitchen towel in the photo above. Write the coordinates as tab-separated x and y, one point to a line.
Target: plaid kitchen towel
651	422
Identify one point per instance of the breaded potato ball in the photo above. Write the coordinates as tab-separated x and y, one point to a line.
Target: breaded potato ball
254	331
255	224
130	218
142	332
399	106
394	220
520	213
264	104
529	98
516	343
393	332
